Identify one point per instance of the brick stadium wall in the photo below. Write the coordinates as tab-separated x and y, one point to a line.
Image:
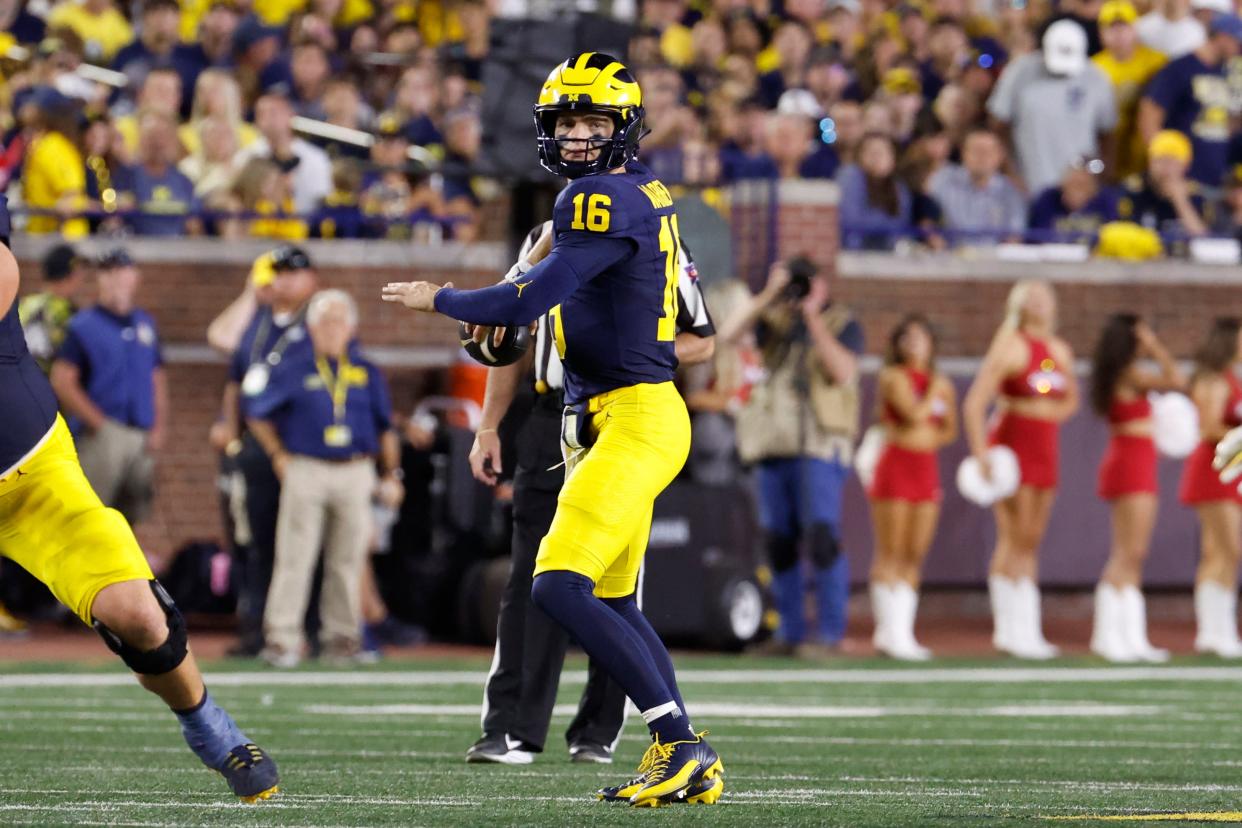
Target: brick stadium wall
187	283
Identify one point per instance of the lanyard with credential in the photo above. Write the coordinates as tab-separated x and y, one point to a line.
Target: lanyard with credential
337	435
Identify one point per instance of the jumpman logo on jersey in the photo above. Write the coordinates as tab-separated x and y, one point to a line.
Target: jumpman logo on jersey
520	287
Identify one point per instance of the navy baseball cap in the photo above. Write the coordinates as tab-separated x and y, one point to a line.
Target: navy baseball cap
290	257
59	262
250	31
112	259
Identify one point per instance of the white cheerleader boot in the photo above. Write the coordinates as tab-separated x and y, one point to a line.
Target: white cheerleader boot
1134	617
1030	642
881	612
1227	644
1004	599
905	604
1206	627
1108	634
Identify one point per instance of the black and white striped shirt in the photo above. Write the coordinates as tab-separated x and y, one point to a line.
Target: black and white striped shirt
692	316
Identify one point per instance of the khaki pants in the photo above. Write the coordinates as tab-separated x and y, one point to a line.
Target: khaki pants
119	468
326	505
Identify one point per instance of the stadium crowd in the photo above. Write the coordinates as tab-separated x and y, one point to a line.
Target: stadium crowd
944	122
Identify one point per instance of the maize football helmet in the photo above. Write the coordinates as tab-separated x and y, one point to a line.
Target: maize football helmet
597	83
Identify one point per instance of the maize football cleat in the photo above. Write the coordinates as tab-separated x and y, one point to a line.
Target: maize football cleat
251	773
623	792
676	767
704	792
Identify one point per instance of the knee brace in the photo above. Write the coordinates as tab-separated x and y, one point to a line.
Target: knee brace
782	551
164	658
824	544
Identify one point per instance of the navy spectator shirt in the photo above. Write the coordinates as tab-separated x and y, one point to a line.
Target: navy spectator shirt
1195	98
163	202
298	403
116	357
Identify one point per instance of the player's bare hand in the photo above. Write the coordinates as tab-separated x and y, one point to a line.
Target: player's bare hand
485	457
479	333
419	296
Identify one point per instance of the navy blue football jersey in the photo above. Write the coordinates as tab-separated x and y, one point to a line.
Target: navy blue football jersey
27	404
619	328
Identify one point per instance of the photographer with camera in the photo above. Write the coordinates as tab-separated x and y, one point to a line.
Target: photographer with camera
798	429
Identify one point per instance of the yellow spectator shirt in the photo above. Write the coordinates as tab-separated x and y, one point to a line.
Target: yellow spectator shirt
1128	78
53	169
103	34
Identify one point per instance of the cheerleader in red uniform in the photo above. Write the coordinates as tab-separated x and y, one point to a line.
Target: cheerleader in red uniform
919	414
1029	371
1217	394
1119	386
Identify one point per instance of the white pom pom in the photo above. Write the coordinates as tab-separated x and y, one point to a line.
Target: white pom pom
1006	476
1175	424
867	457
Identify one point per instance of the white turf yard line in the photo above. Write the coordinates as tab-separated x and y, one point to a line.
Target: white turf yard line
859	741
411	678
759	711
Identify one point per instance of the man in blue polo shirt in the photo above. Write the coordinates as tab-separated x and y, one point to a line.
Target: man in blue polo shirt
323	418
272	331
109	378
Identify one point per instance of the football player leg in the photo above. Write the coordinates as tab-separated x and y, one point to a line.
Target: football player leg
140	623
643	441
53	524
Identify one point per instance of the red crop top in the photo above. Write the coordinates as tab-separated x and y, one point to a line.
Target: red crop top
1127	411
921	381
1042	377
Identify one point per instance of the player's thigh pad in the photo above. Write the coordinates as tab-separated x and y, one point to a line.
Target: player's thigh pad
53	524
644	438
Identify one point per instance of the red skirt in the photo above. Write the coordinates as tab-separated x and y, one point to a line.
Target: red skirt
1200	483
1129	467
1036	443
902	474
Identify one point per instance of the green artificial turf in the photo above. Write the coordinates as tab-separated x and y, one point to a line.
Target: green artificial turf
853	743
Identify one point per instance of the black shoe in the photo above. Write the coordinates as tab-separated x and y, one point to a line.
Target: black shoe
590	752
499	749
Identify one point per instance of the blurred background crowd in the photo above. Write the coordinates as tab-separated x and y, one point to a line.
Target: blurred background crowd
945	122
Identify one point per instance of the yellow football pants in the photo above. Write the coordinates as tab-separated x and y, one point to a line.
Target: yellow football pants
603	513
55	526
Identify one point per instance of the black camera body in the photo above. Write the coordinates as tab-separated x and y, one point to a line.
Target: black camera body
801	271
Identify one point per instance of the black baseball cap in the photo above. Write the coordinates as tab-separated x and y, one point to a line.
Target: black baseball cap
112	259
290	257
59	262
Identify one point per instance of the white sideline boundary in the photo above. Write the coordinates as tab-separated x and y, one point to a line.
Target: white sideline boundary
448	678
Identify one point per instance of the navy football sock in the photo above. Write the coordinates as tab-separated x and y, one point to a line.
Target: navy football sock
628	609
210	731
568	599
673	726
